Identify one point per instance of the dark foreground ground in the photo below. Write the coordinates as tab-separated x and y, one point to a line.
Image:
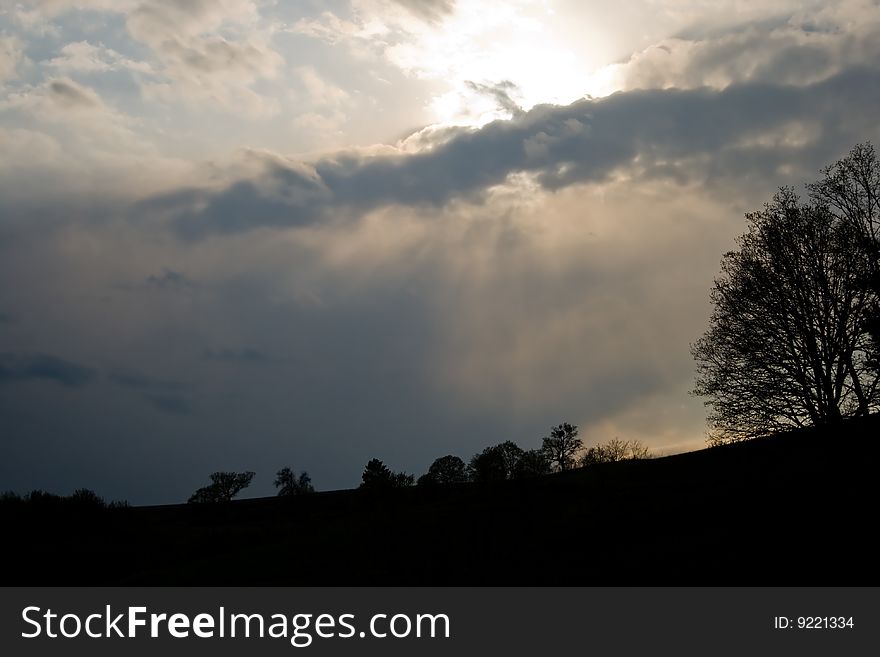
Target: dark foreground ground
793	509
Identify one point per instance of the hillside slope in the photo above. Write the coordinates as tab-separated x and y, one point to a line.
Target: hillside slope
795	509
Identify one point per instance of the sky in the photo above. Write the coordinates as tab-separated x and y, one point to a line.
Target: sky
249	234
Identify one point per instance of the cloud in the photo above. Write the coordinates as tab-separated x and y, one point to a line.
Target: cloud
65	101
501	92
430	10
10	55
803	48
166	395
84	57
650	133
17	367
211	53
59	126
70	95
467	41
206	55
42	10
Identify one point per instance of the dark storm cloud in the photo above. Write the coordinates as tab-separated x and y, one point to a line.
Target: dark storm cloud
6	318
560	146
15	368
500	92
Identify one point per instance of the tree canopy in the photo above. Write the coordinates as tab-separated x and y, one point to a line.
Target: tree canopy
495	463
448	469
789	339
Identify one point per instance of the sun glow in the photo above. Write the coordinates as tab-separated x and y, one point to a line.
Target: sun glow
492	58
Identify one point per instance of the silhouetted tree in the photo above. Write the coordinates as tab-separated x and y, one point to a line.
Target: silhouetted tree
288	483
787	344
561	445
487	466
445	470
84	497
615	450
402	479
42	498
377	475
850	188
224	486
495	463
637	450
511	453
533	463
11	498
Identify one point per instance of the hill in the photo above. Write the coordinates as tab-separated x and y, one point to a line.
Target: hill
792	509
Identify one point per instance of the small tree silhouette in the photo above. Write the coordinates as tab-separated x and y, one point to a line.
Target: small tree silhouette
378	475
561	445
224	486
288	483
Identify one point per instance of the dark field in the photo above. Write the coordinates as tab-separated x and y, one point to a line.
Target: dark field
794	509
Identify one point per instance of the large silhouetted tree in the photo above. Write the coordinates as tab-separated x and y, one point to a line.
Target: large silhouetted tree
223	487
561	445
788	341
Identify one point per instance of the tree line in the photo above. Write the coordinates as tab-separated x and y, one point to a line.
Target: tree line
82	499
560	450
